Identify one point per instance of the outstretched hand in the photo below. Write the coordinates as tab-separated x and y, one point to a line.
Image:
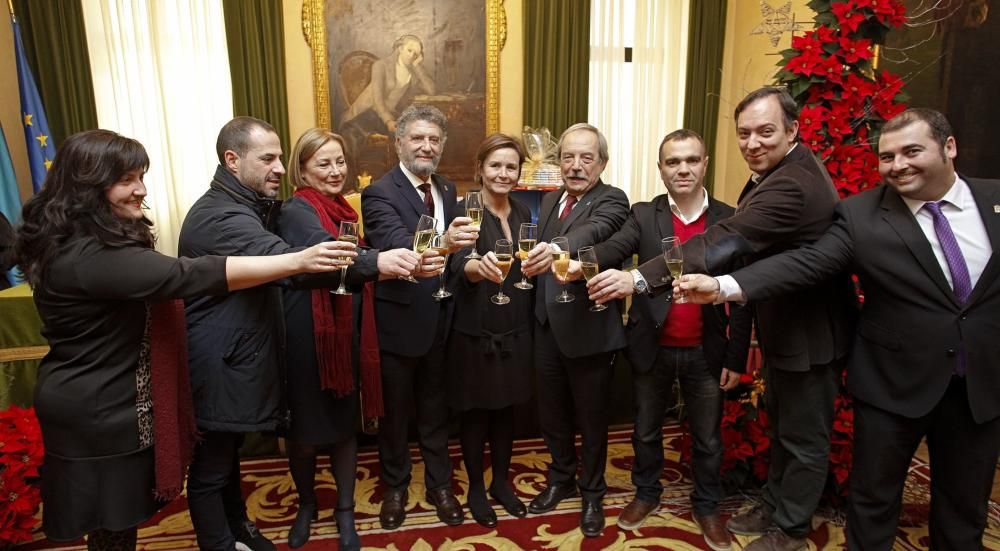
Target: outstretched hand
327	256
610	285
697	288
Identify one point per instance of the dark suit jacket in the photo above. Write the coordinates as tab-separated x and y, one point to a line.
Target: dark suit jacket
911	326
791	206
407	314
646	226
596	217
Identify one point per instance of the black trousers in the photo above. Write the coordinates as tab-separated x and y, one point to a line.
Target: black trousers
800	408
415	386
574	392
213	490
963	458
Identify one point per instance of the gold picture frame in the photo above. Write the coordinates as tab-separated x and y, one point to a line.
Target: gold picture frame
314	29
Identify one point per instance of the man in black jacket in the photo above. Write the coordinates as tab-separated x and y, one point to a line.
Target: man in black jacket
235	341
678	342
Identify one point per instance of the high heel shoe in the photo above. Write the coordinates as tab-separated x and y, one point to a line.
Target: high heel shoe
349	539
299	533
481	511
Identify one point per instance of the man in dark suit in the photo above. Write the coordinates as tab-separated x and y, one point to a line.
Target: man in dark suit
412	326
575	348
683	342
804	337
924	360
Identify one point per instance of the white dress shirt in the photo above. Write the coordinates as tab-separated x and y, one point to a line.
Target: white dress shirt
435	194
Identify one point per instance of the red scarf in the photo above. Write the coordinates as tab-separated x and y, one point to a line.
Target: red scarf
333	322
170	386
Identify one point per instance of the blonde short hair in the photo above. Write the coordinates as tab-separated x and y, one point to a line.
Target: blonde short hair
310	142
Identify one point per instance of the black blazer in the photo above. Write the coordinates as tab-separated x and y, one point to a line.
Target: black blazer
407	314
911	326
791	206
646	226
596	217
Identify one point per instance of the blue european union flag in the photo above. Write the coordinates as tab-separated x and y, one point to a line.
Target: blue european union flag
41	149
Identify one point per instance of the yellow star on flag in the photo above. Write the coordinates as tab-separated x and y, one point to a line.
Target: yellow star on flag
43	140
27	119
48	164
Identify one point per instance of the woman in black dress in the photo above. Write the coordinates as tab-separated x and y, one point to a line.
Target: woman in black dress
112	395
489	349
332	344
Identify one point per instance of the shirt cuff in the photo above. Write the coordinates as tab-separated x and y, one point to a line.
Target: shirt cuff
636	279
729	290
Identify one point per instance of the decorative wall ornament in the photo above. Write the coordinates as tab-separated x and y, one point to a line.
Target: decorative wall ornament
776	21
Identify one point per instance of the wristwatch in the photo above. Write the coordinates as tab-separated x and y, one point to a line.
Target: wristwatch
639	282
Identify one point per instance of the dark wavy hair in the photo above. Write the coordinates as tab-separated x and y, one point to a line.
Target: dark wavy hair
72	202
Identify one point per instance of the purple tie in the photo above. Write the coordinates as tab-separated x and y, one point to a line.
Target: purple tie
961	283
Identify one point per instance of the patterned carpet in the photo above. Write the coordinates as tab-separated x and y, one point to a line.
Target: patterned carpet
272	505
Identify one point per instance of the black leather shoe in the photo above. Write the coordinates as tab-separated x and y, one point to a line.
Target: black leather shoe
449	510
393	511
550	498
349	539
299	533
481	510
509	501
592	519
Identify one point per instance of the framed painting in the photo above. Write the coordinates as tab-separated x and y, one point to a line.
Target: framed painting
373	58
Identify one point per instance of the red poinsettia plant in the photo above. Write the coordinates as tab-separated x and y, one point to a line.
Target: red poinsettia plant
21	454
843	101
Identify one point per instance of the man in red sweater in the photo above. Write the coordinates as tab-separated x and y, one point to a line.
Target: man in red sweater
703	348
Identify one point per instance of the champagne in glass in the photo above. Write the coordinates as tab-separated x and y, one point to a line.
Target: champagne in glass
504	251
674	259
348	234
437	243
422	235
527	237
560	262
474	210
588	263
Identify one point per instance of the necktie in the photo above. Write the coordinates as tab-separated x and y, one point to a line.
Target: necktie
568	207
428	198
961	283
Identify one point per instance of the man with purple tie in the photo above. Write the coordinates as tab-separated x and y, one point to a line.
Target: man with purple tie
925	356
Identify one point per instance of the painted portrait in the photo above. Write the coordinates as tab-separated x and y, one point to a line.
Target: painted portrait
380	56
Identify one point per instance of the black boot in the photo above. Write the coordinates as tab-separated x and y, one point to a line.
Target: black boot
349	539
299	533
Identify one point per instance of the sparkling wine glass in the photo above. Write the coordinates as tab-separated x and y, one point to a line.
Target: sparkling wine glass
426	229
675	261
560	261
504	250
437	243
348	234
588	263
527	237
474	210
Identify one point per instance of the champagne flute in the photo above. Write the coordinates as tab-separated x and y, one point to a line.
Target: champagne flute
526	239
437	243
588	263
474	210
675	260
426	229
560	261
348	234
504	250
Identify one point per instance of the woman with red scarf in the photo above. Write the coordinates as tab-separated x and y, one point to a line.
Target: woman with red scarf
113	396
332	344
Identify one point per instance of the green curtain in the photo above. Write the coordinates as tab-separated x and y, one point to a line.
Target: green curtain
255	37
706	40
55	42
556	63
